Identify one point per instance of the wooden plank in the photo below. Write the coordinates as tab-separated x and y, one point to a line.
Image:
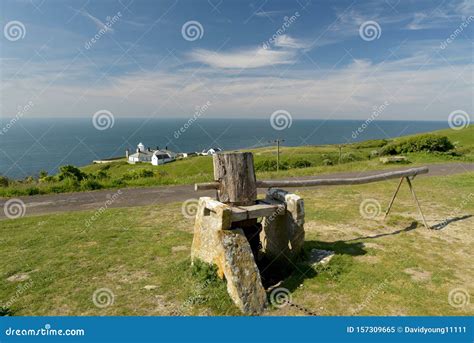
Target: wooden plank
326	182
261	209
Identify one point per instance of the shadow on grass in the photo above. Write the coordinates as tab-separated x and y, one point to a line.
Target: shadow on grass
411	227
5	311
446	222
291	275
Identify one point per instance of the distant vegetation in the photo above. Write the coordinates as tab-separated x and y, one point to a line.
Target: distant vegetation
440	146
423	143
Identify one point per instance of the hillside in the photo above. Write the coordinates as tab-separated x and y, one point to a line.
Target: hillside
295	161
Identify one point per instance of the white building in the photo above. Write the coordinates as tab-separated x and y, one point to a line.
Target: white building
141	155
211	151
146	155
161	157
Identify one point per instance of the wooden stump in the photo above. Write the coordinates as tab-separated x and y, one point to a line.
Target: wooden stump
236	175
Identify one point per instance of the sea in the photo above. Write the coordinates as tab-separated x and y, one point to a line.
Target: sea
29	145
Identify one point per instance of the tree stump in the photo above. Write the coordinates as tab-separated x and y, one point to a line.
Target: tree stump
236	175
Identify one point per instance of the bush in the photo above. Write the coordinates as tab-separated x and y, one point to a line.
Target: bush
32	191
270	165
424	143
137	174
118	182
348	157
71	172
68	185
327	162
300	163
90	185
4	181
42	174
47	179
102	174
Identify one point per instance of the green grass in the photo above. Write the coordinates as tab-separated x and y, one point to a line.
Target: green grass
126	249
355	157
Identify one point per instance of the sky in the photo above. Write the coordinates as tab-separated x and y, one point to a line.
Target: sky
408	60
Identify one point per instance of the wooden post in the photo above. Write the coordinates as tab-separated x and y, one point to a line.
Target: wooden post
393	198
417	203
236	176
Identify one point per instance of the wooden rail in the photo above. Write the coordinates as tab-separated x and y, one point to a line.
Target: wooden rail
325	182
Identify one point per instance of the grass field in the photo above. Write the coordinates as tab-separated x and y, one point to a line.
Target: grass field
53	264
354	157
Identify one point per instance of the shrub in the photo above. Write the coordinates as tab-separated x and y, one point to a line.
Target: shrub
137	174
348	157
47	179
90	185
327	162
102	174
424	143
300	163
270	165
71	172
4	181
118	182
32	191
68	185
42	174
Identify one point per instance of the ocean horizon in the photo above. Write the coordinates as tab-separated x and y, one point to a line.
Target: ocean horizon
30	145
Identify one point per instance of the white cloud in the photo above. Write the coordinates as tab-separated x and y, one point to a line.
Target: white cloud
100	25
284	51
285	41
415	90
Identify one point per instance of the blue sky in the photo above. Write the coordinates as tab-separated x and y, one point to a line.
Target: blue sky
248	59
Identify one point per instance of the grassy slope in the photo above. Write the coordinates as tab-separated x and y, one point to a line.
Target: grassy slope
126	249
199	169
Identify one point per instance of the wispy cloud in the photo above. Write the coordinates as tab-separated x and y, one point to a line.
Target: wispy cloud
284	52
100	25
269	13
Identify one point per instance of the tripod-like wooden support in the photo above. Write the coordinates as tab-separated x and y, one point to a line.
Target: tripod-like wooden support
412	190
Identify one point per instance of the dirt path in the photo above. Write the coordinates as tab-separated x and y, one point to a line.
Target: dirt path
129	197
